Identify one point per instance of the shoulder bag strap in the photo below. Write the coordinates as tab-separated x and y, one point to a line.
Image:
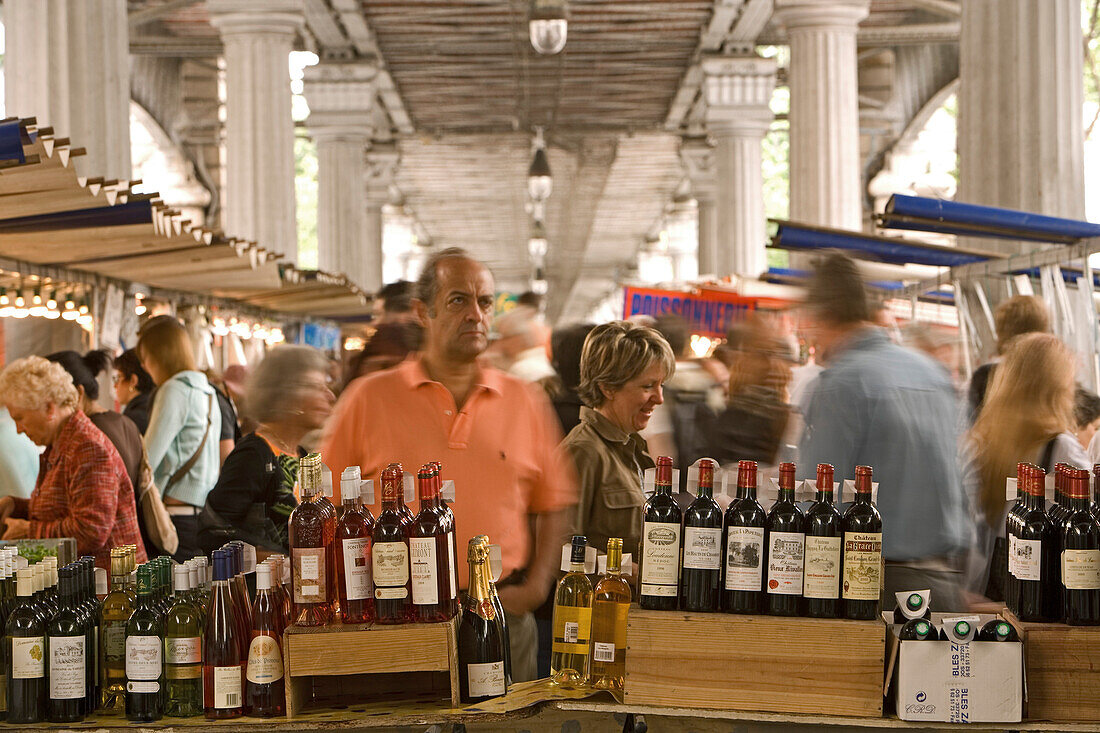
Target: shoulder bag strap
185	468
1048	454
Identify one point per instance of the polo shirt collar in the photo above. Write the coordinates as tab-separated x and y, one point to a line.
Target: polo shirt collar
606	429
414	375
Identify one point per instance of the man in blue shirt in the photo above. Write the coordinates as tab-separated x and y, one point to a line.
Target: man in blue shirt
885	406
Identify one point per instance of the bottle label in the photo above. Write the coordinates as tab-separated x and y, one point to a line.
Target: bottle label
701	548
744	558
357	568
227	687
603	652
572	629
265	661
451	563
391	570
486	680
660	559
183	650
142	686
786	562
114	640
1024	558
67	667
143	657
822	579
1081	569
425	584
309	574
862	566
28	657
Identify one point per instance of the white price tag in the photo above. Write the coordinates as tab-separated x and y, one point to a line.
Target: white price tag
601	564
496	563
326	481
366	491
410	488
850	491
449	490
693	477
248	552
649	479
589	559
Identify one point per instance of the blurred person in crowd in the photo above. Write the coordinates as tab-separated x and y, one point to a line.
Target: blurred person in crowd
566	344
82	490
122	431
393	303
885	406
1086	413
234	379
938	343
752	424
288	396
387	347
495	436
184	428
1014	317
521	345
691	399
1028	416
623	368
531	299
229	431
18	460
133	389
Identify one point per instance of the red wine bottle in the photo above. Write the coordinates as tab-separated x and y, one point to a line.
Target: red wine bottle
390	553
1032	561
353	535
429	552
785	548
449	528
743	541
660	547
264	687
821	586
702	565
1012	531
222	662
1080	554
308	552
862	563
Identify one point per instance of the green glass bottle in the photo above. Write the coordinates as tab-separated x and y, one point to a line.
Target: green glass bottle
144	654
68	655
114	614
25	654
183	650
569	662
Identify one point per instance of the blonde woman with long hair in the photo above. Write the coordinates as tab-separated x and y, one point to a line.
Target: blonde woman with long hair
1028	416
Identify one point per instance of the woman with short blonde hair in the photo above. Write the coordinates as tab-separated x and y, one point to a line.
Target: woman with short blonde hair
83	490
623	367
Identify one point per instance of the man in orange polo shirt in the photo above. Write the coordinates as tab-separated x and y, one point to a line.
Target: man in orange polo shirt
495	436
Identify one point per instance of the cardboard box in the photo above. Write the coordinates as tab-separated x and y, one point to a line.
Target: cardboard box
941	681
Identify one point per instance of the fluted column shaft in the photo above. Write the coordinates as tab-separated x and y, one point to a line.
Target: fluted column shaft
259	130
698	159
824	117
67	63
381	167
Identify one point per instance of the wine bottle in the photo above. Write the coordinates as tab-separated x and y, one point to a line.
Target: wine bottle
307	531
918	629
238	591
1081	553
481	645
68	656
429	556
448	522
660	557
88	610
1058	514
959	632
353	535
390	553
572	622
821	584
321	498
1033	565
25	654
911	605
113	616
610	604
862	562
222	661
265	692
998	630
144	654
702	565
785	548
183	629
1012	532
744	546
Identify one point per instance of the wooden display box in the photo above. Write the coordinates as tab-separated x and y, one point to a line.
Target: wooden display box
347	664
1061	675
766	663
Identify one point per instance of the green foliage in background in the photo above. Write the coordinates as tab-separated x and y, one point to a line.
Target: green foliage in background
305	189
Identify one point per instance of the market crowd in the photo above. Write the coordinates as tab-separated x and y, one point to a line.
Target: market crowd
548	432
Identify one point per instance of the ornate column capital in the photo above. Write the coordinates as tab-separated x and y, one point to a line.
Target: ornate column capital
698	158
255	17
738	92
381	172
341	99
821	14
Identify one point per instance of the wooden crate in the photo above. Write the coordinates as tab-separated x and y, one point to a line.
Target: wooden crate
1061	674
767	663
345	664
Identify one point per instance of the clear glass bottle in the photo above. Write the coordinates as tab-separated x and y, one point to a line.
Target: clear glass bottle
310	542
222	662
572	626
611	602
113	615
183	630
353	535
265	694
390	553
430	558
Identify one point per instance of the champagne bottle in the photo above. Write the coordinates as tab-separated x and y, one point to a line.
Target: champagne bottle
569	663
144	654
611	602
481	645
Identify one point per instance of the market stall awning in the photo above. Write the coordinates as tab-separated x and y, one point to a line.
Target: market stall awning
951	217
316	292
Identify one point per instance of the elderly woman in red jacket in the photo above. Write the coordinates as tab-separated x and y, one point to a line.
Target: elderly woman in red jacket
83	490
